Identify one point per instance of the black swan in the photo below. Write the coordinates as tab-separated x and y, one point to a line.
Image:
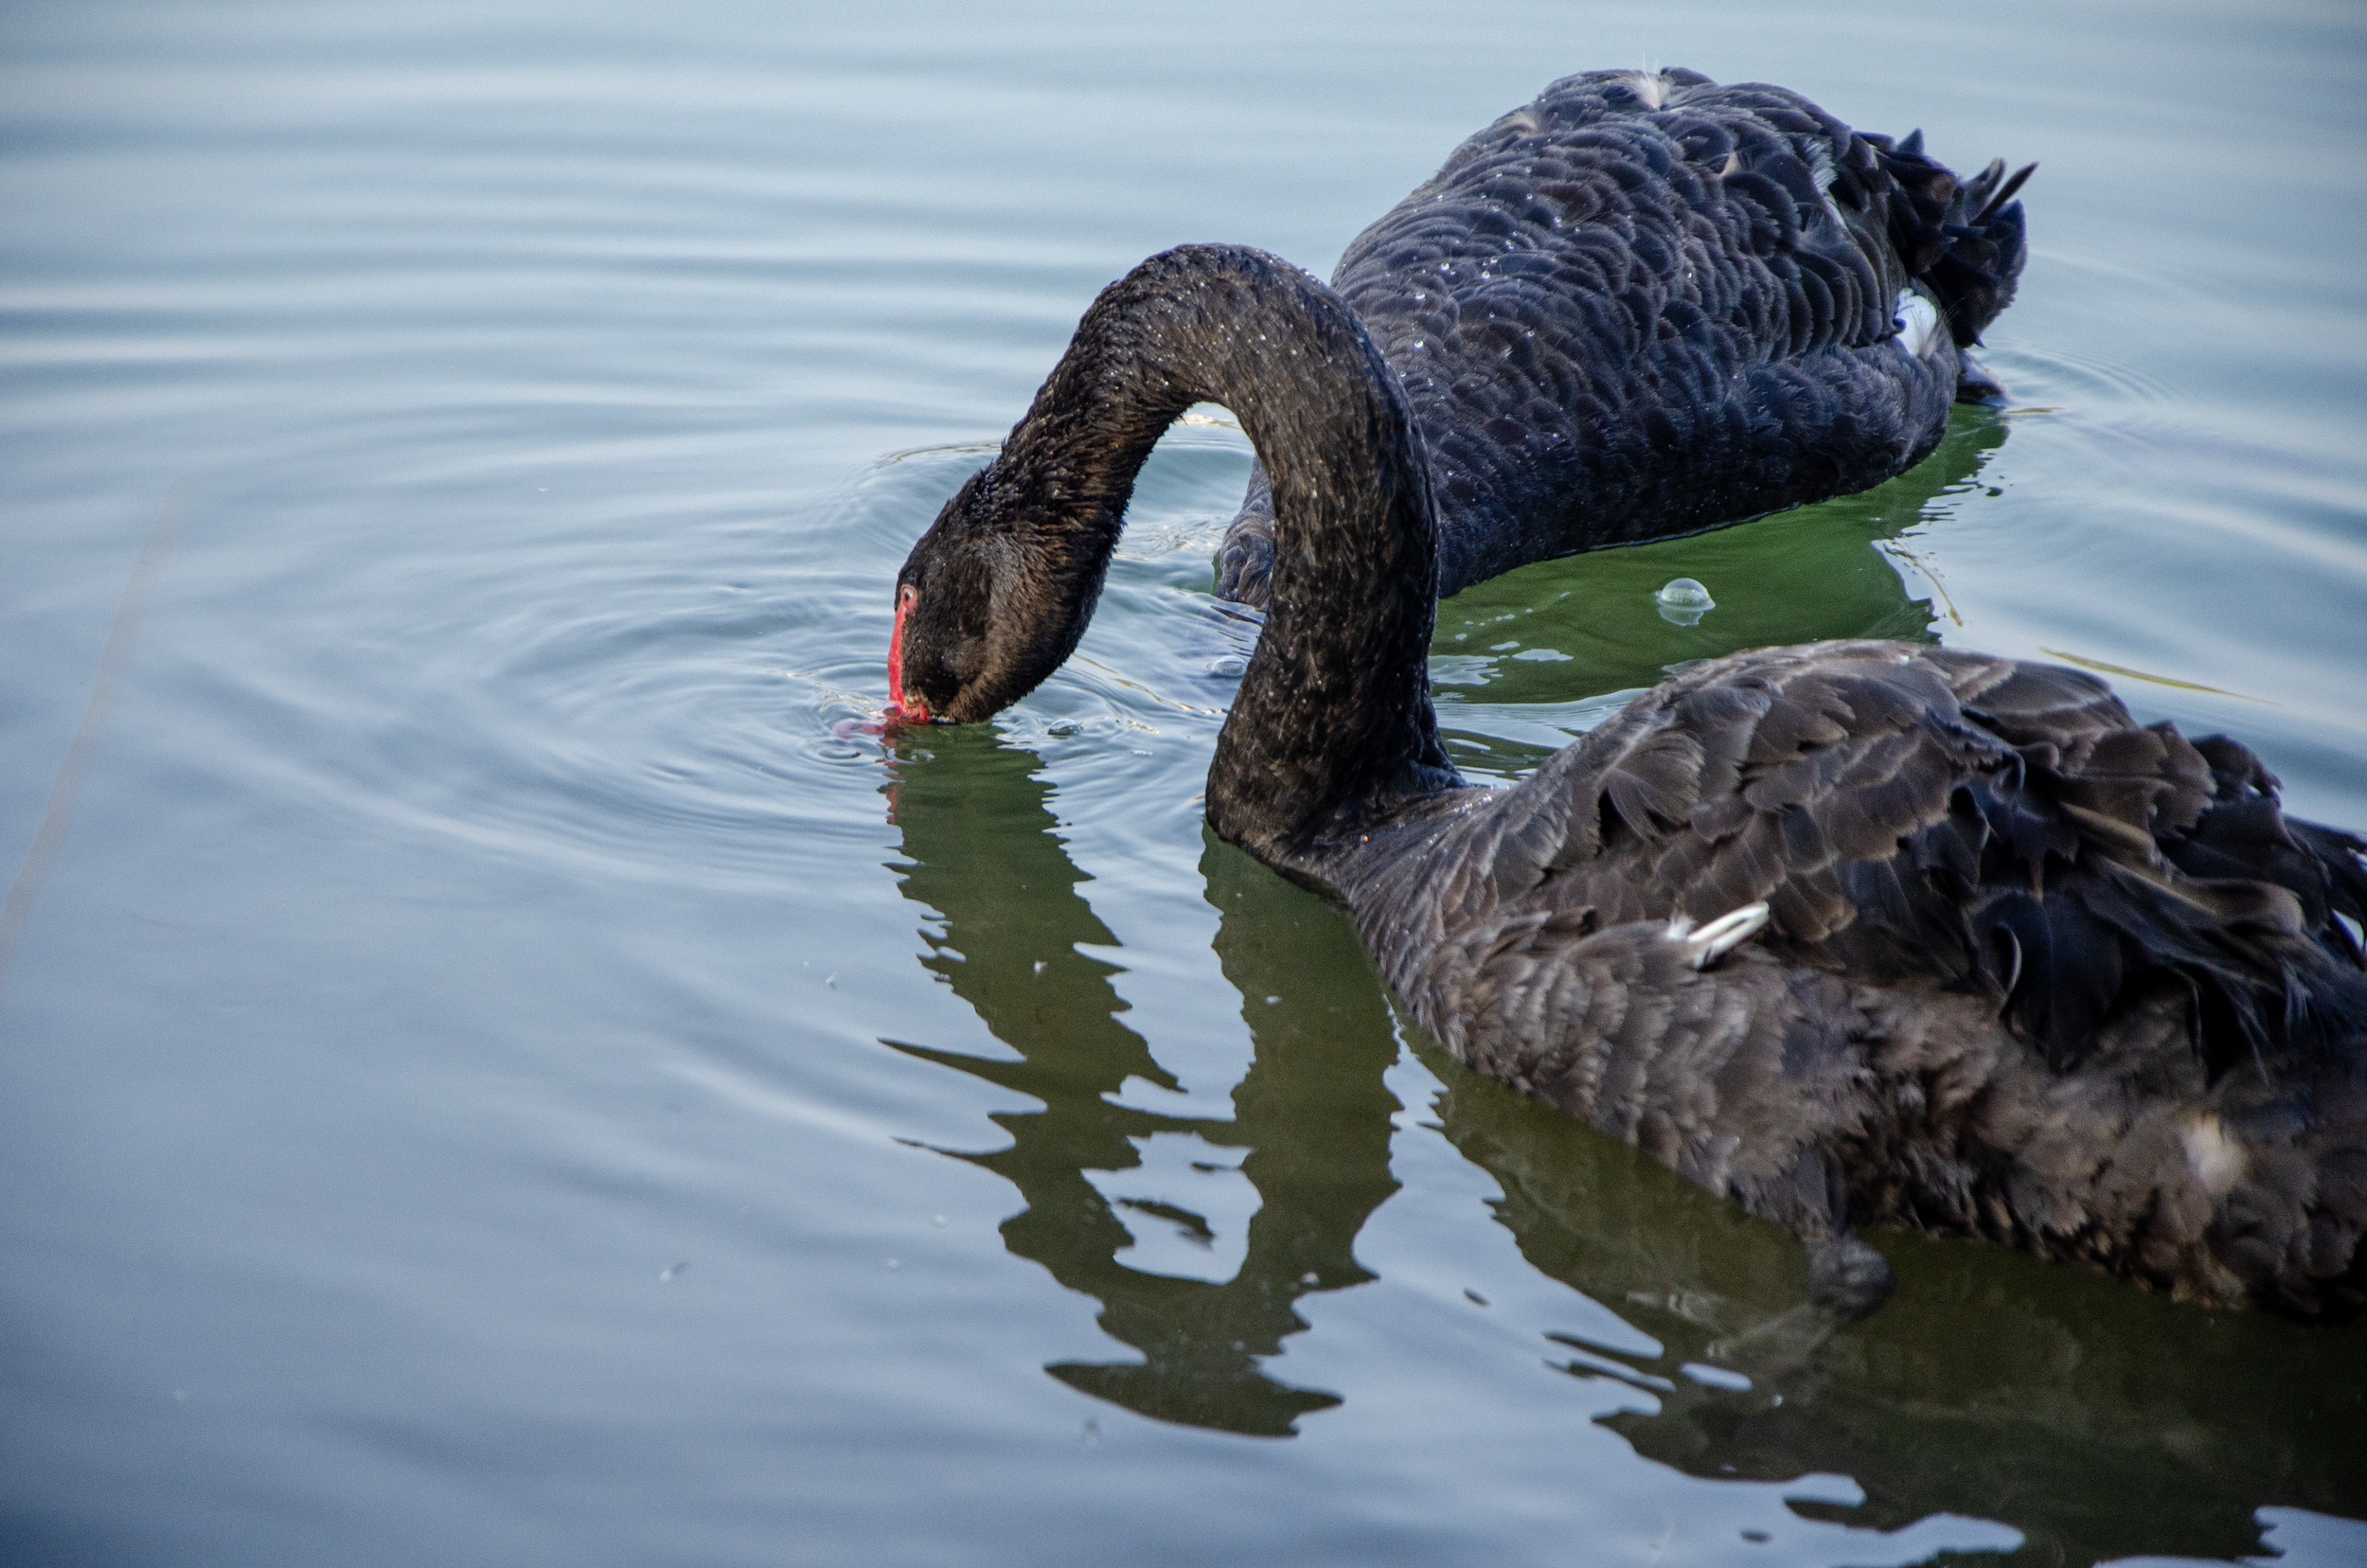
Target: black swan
2023	970
1645	305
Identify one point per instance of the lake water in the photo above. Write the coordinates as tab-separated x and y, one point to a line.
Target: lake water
486	1076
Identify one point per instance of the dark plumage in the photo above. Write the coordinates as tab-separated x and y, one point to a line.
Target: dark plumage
2029	971
1986	999
1645	305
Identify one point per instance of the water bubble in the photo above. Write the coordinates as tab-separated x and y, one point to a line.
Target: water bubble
1684	601
1230	667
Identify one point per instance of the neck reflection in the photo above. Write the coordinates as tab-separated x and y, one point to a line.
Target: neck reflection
1310	1125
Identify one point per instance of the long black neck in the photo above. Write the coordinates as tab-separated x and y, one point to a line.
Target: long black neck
1333	718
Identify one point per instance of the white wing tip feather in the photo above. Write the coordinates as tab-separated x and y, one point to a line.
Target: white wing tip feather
1713	942
1917	319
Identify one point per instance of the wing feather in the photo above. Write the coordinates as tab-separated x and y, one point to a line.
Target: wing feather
1905	812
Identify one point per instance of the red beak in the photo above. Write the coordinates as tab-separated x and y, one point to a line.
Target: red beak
909	710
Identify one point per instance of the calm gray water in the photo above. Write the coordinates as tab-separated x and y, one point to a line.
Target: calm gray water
486	1076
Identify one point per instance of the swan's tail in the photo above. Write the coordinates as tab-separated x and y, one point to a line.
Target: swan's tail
1962	239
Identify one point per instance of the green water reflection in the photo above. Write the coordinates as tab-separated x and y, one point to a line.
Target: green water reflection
1516	660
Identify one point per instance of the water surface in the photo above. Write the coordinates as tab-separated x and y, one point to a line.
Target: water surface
487	1075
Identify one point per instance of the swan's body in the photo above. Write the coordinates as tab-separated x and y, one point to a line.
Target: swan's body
2029	971
1645	305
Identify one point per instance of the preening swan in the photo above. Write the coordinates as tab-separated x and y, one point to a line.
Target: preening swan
1646	304
1856	933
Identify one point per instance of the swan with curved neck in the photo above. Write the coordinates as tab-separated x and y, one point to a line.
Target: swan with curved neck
995	595
1981	954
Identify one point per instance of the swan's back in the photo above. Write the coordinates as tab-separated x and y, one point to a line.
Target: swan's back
1645	305
2031	970
1915	813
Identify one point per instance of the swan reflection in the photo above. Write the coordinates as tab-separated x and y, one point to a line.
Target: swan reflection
1309	1136
2099	1420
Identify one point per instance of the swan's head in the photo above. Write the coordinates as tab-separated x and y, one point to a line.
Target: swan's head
986	609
